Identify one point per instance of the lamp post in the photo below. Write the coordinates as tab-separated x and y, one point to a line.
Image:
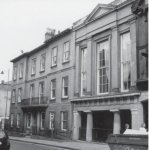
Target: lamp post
2	72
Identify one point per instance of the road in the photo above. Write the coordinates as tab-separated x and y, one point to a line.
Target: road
17	145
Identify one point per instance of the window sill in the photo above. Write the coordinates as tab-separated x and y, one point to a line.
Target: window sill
52	99
20	78
42	71
54	66
64	98
65	62
32	75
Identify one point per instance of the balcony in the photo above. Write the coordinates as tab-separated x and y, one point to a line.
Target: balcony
35	102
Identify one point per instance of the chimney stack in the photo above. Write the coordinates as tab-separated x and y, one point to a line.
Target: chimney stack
49	34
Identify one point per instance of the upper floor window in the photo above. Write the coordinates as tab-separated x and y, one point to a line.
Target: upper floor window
33	66
42	62
83	71
53	89
31	91
66	52
13	96
41	90
64	120
19	95
125	61
103	65
54	56
21	71
15	73
65	87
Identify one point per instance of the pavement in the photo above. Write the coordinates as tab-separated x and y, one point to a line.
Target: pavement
70	145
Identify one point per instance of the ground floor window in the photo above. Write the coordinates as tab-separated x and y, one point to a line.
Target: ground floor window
18	120
42	120
64	120
11	120
51	121
29	120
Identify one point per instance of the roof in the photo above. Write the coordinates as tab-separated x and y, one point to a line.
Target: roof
46	43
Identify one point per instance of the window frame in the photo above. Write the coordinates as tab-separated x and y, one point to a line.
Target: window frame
107	67
11	120
62	121
21	68
29	125
31	94
54	56
42	62
63	86
15	70
122	62
51	121
66	51
53	80
83	72
41	95
33	67
18	120
13	96
19	95
42	125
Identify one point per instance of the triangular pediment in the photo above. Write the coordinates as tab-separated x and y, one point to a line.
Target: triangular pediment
98	11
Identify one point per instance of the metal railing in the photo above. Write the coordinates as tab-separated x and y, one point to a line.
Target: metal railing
98	134
34	101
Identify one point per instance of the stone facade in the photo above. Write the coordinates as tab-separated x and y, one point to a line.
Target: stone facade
101	94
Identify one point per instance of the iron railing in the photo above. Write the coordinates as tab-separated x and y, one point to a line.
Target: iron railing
34	101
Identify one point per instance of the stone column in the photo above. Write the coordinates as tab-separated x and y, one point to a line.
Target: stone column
89	126
134	119
76	124
115	59
117	122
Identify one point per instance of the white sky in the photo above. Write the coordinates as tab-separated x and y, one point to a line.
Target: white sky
23	24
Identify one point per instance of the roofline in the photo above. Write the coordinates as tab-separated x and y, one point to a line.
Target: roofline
46	43
125	3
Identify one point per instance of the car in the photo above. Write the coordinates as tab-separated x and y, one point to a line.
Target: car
4	140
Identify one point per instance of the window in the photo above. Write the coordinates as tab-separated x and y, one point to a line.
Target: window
83	71
53	89
65	87
41	90
31	91
42	62
15	73
21	71
19	95
66	53
125	61
54	56
11	120
103	67
33	67
51	121
42	120
18	120
64	119
13	96
29	120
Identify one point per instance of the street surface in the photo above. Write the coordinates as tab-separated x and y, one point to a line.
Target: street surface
17	145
